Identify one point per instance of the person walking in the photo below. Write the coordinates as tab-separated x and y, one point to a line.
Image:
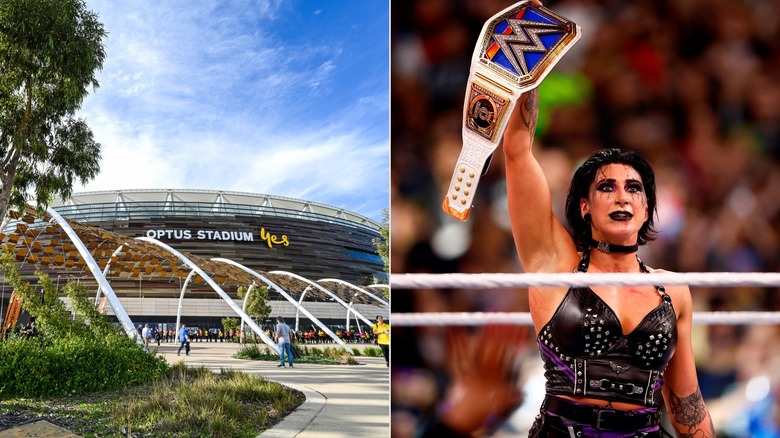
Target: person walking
282	338
184	338
146	334
382	333
157	336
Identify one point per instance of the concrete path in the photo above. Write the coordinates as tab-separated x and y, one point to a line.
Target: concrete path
39	429
341	400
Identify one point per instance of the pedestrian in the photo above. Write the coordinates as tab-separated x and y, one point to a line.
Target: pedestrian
382	333
282	338
184	338
146	335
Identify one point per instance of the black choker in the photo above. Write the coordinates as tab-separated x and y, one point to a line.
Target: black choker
612	248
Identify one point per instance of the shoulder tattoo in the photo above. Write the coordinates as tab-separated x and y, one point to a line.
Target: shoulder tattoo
688	413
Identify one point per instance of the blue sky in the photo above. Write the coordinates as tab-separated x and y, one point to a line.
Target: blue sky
279	97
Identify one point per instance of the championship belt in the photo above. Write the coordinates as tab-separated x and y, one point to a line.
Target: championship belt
516	49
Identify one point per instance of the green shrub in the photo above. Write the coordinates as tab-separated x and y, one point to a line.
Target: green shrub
327	356
254	352
69	356
372	351
66	366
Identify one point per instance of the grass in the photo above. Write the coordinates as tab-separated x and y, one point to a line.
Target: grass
188	402
315	355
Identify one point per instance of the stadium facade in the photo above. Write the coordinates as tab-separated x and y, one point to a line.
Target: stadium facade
323	257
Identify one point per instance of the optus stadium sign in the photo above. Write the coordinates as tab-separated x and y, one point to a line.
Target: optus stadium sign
262	232
163	234
221	235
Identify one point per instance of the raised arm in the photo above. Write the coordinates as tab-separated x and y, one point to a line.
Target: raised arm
682	395
542	243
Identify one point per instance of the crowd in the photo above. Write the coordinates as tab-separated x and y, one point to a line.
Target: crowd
692	85
157	333
320	337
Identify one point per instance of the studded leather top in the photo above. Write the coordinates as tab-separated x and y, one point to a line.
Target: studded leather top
585	352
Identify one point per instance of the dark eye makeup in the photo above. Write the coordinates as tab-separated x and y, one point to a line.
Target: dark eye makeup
632	186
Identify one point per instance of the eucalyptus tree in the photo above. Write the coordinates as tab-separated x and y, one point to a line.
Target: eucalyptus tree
50	53
257	303
383	244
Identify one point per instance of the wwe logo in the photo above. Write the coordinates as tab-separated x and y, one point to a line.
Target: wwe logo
525	37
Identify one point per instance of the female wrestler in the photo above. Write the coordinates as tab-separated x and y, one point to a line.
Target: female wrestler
611	352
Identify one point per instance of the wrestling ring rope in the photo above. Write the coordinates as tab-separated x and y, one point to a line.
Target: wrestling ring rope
492	281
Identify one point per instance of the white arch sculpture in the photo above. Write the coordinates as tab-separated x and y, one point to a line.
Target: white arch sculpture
243	307
113	301
216	288
357	323
350	309
181	302
105	271
348	284
379	285
286	296
329	293
300	306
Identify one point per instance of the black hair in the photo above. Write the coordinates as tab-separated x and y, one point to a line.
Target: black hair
580	187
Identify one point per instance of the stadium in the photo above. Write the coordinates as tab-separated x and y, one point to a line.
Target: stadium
181	255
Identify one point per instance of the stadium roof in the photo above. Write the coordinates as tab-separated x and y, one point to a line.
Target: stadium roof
86	206
41	243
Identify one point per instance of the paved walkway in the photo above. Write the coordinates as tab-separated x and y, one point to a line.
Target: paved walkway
341	400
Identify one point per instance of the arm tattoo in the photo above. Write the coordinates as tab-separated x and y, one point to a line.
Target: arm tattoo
689	412
529	111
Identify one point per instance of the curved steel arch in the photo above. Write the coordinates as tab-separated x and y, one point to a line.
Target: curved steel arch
181	301
350	309
119	311
346	283
243	307
105	271
217	289
385	286
300	306
329	293
286	296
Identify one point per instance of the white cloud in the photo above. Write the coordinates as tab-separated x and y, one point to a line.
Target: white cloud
322	75
253	98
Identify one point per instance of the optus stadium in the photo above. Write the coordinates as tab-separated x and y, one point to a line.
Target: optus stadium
168	256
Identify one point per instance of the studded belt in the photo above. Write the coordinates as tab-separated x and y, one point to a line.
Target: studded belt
615	380
598	417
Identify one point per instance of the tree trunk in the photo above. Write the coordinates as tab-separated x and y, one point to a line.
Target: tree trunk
7	180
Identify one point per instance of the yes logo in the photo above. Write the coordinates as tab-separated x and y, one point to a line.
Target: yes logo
273	239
